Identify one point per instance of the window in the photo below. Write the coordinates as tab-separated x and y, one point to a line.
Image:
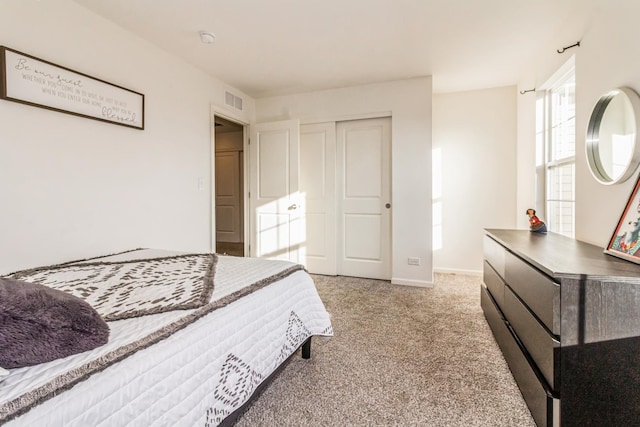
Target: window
556	148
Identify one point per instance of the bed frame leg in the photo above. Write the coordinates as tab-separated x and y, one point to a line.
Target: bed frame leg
306	349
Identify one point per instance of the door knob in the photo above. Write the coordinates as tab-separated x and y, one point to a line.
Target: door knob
292	207
388	205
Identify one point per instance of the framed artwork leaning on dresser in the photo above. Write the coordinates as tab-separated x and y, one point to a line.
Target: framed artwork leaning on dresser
625	242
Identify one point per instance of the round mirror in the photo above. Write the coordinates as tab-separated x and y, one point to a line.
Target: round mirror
613	151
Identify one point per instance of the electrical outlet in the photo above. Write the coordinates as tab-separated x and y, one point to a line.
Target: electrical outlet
413	261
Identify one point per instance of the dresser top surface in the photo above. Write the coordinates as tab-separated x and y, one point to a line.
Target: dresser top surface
560	256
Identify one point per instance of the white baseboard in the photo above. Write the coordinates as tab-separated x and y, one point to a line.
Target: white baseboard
407	282
457	271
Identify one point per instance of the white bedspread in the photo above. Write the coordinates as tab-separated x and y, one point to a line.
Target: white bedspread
198	375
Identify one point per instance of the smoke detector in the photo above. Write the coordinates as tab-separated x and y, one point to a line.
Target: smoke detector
207	37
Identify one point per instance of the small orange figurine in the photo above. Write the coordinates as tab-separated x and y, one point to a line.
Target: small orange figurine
534	222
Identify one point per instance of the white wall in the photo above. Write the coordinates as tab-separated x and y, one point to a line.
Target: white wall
526	157
409	102
607	58
72	187
474	151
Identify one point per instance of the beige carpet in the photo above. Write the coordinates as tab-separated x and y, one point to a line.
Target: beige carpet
401	356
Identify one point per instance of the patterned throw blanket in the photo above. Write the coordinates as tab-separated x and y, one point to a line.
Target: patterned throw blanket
125	289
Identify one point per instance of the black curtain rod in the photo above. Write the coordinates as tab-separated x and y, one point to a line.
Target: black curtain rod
568	47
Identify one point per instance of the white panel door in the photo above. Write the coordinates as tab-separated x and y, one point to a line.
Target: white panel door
228	210
364	194
277	222
317	189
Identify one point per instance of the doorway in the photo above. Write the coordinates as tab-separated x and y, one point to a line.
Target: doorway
229	184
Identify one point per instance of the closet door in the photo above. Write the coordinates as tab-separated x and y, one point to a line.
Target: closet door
364	195
277	223
317	189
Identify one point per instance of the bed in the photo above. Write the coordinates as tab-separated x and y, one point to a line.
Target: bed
181	364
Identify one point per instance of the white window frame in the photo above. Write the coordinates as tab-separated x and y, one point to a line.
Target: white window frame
545	164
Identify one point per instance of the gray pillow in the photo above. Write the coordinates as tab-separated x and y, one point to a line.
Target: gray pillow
39	324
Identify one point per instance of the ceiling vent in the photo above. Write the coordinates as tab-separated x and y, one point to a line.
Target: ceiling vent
233	101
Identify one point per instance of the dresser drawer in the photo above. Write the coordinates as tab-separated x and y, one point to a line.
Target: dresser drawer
543	348
544	407
494	283
494	253
536	290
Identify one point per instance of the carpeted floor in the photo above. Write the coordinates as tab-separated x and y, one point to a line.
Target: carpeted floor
228	248
401	356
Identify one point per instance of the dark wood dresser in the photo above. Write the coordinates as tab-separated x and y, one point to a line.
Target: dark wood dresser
567	319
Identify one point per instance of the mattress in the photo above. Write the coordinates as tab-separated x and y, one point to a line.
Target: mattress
198	375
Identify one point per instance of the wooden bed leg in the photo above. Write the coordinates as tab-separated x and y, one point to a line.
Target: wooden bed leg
306	349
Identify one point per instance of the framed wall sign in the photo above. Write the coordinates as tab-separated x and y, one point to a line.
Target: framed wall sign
625	242
33	81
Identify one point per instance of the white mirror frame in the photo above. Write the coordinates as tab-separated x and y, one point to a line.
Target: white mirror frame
593	137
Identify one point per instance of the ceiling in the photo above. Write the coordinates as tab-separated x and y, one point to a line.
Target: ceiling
276	47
